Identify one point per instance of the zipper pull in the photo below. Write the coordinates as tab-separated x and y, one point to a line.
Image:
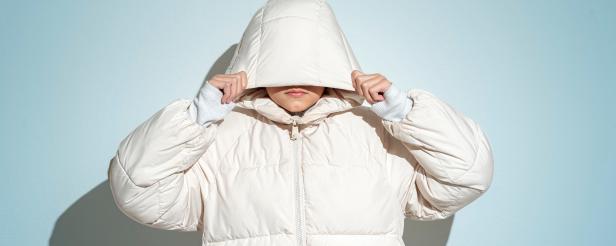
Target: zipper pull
294	130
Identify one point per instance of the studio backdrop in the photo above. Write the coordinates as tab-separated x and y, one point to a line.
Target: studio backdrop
538	76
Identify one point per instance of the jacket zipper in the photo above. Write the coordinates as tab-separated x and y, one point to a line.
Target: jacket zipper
299	183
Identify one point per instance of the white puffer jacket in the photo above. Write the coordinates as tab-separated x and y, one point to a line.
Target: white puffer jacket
336	175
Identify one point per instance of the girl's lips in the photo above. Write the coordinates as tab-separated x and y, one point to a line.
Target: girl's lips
295	94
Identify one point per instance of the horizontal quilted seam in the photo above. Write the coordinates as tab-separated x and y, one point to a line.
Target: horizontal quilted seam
252	237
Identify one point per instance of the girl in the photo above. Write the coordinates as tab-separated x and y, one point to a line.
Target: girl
281	150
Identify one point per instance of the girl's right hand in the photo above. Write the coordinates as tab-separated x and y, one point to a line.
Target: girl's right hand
232	85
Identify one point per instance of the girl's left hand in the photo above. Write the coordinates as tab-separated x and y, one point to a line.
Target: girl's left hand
370	86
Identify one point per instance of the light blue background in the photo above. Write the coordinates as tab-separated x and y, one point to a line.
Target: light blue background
538	76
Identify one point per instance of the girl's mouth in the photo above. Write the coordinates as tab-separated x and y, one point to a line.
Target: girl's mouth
295	93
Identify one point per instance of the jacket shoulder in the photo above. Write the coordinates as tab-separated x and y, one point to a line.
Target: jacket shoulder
361	115
235	123
361	118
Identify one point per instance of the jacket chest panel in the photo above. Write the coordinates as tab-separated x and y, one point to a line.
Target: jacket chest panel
341	147
269	146
260	147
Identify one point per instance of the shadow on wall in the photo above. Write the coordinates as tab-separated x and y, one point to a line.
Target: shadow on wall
95	220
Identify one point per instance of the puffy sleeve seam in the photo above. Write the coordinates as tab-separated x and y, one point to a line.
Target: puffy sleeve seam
396	128
197	130
133	183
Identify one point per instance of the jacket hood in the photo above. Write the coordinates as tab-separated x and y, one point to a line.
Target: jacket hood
296	42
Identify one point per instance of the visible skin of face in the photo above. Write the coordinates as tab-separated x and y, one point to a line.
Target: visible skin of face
304	97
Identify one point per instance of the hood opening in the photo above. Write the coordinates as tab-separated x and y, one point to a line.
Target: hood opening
251	94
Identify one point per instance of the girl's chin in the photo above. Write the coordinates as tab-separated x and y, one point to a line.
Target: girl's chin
296	107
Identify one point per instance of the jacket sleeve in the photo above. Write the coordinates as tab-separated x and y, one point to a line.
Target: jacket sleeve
454	157
155	176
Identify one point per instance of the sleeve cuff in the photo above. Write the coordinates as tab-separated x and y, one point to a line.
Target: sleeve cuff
395	106
207	107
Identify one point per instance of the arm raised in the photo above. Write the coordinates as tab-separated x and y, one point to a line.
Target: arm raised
454	155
